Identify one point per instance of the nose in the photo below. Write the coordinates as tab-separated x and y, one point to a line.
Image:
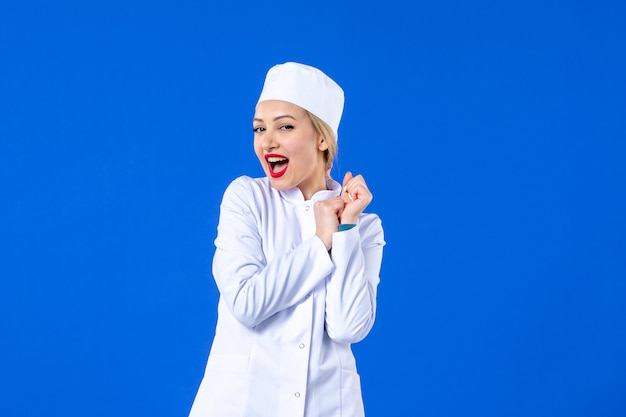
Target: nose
268	143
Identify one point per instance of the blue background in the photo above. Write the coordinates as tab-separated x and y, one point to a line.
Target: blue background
492	135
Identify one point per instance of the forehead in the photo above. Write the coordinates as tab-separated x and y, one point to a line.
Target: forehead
270	109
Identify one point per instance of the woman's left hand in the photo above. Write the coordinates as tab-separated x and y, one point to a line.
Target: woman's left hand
356	196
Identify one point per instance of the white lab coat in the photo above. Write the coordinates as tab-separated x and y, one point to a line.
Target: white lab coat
288	311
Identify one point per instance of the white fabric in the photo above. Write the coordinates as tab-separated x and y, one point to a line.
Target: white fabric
307	87
288	311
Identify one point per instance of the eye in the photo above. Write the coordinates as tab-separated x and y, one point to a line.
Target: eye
258	129
286	127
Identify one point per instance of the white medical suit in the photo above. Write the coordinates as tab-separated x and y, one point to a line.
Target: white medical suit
288	310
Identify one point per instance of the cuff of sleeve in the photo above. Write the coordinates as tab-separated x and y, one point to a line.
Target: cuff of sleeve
343	227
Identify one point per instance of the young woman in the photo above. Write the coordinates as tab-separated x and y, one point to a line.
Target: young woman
297	265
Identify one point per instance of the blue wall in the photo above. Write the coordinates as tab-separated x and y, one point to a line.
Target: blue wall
492	135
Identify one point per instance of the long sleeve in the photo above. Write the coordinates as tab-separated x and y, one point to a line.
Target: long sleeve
253	287
351	289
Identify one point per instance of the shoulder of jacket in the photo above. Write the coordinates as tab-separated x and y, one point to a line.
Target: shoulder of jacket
245	188
370	219
249	184
371	228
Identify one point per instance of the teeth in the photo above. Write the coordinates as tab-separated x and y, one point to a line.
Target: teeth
275	159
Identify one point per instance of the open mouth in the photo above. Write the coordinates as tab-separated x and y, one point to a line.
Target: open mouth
277	164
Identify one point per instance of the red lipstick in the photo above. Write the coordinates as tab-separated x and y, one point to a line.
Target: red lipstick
277	164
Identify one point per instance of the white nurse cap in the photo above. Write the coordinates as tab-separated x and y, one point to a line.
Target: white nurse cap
307	87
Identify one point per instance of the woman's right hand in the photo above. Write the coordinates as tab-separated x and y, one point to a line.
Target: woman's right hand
327	215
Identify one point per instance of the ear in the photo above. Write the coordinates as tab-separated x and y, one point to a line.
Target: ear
321	143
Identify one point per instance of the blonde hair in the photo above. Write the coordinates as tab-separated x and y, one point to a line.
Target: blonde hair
329	136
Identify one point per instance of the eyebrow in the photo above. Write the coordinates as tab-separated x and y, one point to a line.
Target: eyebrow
256	119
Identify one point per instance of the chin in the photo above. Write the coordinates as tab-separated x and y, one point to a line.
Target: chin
280	185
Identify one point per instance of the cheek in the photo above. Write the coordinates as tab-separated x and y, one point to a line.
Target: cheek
257	149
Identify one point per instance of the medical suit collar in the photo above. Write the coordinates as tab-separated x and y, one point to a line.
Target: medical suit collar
295	196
